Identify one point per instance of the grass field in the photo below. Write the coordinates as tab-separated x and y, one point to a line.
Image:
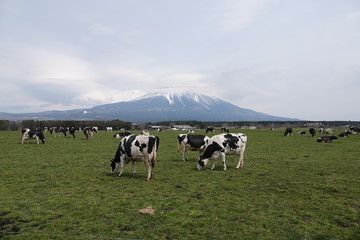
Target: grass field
290	188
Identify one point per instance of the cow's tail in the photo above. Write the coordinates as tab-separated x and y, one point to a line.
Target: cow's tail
153	150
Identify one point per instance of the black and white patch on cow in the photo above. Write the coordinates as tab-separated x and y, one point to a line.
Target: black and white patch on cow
27	134
224	144
136	148
89	132
192	143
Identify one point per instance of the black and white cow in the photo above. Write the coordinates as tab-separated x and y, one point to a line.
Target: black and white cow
210	129
136	148
312	131
302	132
88	132
192	143
224	144
72	131
224	129
288	132
35	134
326	139
122	134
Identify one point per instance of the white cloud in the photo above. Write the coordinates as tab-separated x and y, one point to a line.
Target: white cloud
238	14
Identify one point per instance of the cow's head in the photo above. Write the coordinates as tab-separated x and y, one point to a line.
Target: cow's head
40	135
114	165
202	163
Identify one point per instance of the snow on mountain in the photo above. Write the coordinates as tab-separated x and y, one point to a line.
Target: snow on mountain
165	105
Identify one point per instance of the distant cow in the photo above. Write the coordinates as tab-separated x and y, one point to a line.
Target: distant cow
108	129
32	134
89	132
328	131
355	130
288	131
326	139
344	134
72	131
192	143
312	132
301	132
122	134
224	144
210	129
136	148
224	129
58	131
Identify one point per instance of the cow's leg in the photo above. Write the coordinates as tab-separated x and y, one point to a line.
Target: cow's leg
37	140
223	160
241	158
213	166
122	163
134	166
149	170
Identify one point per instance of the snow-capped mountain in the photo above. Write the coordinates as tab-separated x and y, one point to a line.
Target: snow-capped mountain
157	107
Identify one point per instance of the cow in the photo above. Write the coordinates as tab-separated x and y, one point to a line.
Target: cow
121	134
210	129
312	132
108	129
288	132
35	134
344	134
88	132
355	130
136	148
72	131
224	129
58	131
326	139
192	143
328	131
224	144
302	132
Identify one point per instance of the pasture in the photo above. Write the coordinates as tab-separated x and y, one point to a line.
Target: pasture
290	188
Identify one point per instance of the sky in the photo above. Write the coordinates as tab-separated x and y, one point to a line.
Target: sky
289	58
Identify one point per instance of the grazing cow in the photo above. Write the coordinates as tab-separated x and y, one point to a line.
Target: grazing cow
121	134
224	129
72	131
312	132
301	132
224	144
328	131
192	143
288	132
108	129
88	132
210	129
326	139
35	134
136	148
58	131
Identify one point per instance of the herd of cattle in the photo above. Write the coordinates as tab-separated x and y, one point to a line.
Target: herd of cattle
328	138
144	147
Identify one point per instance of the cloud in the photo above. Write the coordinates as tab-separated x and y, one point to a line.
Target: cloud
238	14
101	29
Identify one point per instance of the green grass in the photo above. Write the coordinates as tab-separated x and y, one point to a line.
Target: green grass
290	188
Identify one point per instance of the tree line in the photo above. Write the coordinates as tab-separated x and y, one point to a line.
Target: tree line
6	125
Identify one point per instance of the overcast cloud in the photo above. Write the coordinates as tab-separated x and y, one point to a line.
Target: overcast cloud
297	59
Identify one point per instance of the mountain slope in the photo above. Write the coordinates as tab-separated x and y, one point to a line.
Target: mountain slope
156	107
